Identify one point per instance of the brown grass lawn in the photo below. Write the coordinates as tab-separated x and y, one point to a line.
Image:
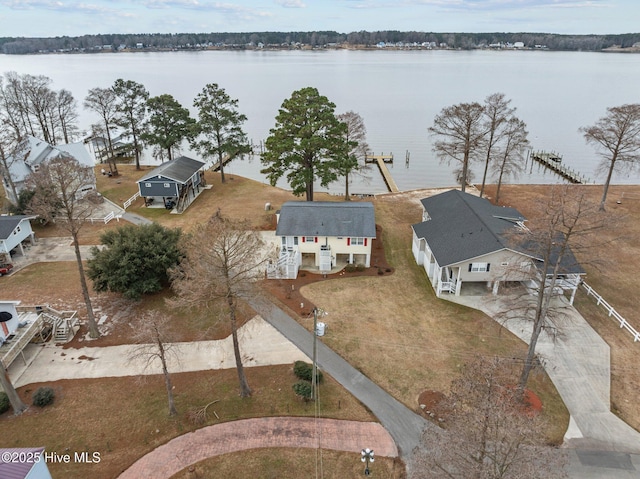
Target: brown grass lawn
391	327
292	464
617	282
125	418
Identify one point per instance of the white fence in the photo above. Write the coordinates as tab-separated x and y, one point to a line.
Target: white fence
131	200
612	312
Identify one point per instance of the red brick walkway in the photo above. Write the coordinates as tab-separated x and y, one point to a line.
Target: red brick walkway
181	452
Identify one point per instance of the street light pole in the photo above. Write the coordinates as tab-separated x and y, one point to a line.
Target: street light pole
367	457
315	364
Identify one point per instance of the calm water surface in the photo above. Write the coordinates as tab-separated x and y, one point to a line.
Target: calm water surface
397	93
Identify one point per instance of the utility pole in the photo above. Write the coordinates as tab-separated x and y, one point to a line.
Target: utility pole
315	363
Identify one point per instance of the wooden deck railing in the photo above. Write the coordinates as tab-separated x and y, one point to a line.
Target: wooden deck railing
611	311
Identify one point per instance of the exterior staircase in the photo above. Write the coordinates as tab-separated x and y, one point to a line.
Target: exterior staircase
287	265
64	324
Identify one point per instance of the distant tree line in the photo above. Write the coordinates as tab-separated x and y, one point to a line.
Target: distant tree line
114	42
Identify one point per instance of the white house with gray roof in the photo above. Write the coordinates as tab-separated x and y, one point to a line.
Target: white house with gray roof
464	239
323	235
33	153
175	183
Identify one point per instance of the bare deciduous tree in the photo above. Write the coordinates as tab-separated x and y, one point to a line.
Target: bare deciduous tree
17	404
356	142
487	434
103	102
510	154
460	131
496	114
566	229
222	261
59	187
154	336
617	138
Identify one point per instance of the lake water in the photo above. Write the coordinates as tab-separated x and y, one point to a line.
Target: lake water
397	93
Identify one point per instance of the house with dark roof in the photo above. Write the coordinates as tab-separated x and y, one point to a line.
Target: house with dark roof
322	235
465	240
13	231
33	153
176	183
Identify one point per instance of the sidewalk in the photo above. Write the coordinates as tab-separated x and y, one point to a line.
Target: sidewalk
260	343
578	362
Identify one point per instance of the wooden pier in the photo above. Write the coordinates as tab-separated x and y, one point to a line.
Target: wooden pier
381	161
553	162
225	159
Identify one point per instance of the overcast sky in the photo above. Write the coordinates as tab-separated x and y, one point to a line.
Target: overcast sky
44	18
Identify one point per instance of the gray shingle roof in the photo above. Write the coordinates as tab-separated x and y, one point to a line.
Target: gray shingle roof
178	170
327	218
463	226
8	224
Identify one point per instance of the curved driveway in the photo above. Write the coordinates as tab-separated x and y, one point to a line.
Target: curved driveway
183	451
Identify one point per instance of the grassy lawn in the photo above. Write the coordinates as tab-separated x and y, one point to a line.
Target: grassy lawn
616	280
391	327
398	333
125	418
291	464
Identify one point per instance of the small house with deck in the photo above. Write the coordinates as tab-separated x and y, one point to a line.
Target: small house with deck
321	235
175	183
465	242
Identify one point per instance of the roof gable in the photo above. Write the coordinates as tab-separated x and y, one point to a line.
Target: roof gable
327	218
178	170
8	224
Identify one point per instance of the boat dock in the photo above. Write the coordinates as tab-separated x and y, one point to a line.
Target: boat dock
553	162
225	159
381	160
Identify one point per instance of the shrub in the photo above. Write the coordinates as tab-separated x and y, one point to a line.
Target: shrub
43	396
303	389
350	268
359	267
304	371
4	402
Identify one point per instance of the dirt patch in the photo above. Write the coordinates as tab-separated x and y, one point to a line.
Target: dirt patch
432	405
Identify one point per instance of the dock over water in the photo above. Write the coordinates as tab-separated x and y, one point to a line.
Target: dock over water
553	162
381	161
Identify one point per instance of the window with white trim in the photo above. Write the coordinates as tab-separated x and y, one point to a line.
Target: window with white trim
309	239
147	185
479	267
357	241
167	185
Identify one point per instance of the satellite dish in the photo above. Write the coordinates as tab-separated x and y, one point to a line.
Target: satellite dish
5	316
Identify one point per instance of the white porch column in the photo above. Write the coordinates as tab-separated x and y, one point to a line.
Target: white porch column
458	282
573	294
367	261
496	286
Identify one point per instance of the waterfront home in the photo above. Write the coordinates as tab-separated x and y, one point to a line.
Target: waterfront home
322	235
33	153
174	183
466	244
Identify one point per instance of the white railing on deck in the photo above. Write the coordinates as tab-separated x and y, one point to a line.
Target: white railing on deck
611	312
